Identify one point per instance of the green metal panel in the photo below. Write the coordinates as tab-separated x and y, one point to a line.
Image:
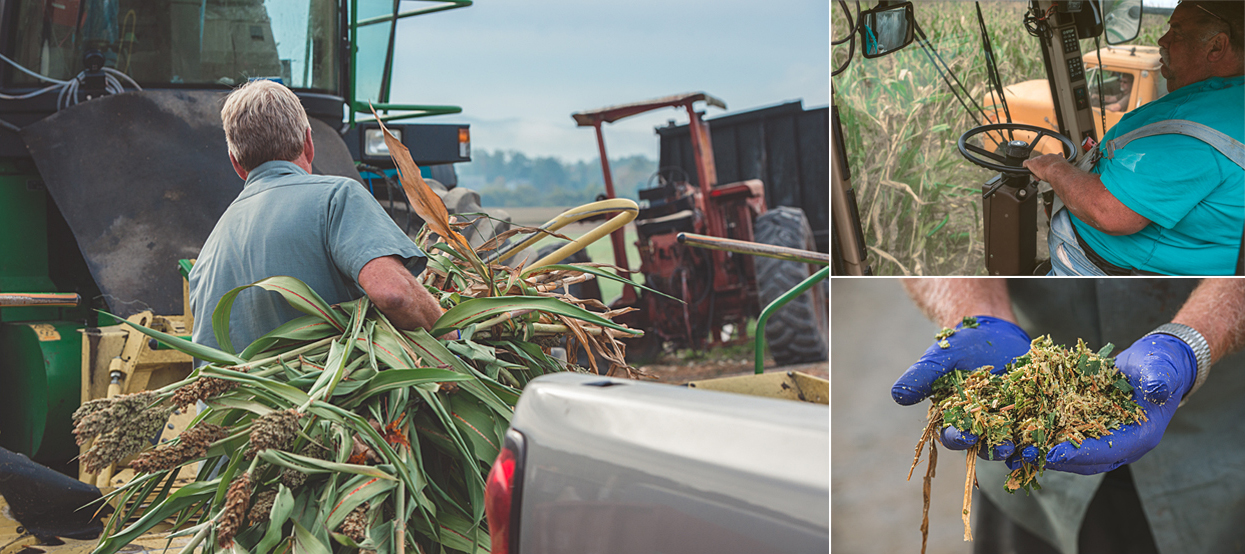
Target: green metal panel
42	364
23	239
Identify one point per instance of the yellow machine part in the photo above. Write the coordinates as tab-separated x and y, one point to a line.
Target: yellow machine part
790	385
118	360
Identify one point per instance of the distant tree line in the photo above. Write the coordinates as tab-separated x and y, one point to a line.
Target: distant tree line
511	179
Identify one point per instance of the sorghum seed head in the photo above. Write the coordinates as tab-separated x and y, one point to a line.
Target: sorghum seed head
262	506
192	443
237	499
274	430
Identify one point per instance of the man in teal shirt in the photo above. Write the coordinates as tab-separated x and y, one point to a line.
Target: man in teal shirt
326	231
1168	203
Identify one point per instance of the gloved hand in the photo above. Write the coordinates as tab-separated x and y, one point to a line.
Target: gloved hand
995	342
1161	369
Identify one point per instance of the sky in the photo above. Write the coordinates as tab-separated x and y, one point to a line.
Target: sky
519	69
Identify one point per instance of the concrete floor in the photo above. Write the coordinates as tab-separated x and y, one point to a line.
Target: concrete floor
876	333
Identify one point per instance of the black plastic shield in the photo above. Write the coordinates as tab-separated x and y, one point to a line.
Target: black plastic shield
142	178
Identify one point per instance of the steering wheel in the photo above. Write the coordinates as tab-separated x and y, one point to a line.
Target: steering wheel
1011	155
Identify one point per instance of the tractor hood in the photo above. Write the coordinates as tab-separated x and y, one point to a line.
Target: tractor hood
1029	102
142	178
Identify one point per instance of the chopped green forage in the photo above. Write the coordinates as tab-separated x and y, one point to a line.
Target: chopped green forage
969	322
1051	395
1092	367
944	333
1123	385
943	344
1106	350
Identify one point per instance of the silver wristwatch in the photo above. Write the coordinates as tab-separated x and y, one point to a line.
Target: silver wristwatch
1195	340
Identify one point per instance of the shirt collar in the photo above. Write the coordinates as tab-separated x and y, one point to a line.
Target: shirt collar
1208	84
275	168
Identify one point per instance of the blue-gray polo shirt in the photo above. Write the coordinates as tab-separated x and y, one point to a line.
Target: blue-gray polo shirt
319	229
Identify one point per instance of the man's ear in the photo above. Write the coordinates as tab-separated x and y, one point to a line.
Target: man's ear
1219	48
309	147
237	167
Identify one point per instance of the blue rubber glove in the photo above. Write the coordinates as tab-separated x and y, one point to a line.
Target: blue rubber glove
995	342
1161	369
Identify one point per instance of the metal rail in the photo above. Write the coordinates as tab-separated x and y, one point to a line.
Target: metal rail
41	299
778	303
756	248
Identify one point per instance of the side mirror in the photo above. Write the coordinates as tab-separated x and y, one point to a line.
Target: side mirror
1122	20
886	29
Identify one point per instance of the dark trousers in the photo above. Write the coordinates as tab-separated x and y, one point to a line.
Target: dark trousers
1113	524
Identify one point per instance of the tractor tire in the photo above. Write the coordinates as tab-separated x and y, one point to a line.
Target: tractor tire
797	332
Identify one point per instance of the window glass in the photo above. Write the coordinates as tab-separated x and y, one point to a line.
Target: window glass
190	42
1115	92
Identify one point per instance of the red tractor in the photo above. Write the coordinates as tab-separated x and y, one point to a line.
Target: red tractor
719	290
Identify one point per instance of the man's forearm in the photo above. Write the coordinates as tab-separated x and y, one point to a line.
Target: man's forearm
947	301
397	294
1217	310
1090	201
1086	196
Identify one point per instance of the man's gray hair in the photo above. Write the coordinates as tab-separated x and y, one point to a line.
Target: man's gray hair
1221	17
264	121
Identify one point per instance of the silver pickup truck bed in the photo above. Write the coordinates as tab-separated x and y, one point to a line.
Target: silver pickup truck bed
614	466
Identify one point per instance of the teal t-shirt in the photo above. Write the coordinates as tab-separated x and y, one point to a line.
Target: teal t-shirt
319	229
1193	196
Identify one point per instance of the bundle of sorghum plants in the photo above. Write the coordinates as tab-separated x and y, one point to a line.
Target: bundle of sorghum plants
338	432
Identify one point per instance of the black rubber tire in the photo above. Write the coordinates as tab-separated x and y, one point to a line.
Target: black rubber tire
796	333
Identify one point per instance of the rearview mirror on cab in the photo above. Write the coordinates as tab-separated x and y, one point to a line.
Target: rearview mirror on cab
1121	19
886	29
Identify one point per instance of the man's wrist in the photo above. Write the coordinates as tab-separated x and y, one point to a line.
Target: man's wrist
1196	342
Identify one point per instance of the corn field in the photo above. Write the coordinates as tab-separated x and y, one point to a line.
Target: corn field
919	199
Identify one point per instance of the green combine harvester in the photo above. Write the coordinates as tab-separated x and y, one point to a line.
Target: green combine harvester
113	168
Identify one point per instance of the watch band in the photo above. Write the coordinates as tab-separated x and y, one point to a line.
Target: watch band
1195	340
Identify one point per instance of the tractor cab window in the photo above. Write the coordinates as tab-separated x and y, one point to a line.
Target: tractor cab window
1116	90
179	42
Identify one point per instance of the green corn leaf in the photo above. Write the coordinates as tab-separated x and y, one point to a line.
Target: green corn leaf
477	423
290	394
282	507
199	351
394	379
459	533
355	492
306	543
182	498
298	294
479	309
1106	350
429	348
296	332
310	465
230	402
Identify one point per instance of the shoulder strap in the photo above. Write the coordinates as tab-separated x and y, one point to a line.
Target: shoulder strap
1226	145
